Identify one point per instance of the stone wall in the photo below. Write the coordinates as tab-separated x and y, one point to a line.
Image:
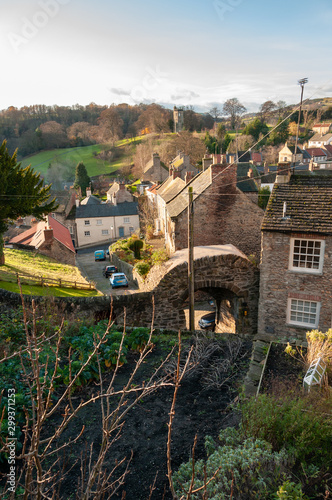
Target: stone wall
222	215
222	276
278	284
127	269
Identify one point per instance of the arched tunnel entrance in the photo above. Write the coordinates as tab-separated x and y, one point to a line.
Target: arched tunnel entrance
222	274
217	309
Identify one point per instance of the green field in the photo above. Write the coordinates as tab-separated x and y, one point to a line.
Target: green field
95	166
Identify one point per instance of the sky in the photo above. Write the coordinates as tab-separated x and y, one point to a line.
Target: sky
177	52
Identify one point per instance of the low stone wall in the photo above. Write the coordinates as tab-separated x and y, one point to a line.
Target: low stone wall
124	267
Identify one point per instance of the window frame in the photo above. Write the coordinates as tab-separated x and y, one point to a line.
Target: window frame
302	323
87	222
104	232
126	220
99	222
87	234
309	270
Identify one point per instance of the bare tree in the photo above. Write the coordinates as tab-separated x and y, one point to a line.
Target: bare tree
266	110
216	113
42	457
141	157
234	109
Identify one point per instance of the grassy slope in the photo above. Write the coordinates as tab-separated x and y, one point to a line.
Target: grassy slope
40	161
30	263
25	262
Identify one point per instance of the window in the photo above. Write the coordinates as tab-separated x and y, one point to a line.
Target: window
104	232
87	223
303	312
86	233
307	255
99	222
126	220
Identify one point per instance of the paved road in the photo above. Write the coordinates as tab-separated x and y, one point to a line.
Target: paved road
92	270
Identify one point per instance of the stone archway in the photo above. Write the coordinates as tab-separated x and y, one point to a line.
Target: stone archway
222	268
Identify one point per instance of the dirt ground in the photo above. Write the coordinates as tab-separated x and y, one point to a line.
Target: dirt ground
200	409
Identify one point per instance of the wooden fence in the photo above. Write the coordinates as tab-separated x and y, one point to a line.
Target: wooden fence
27	279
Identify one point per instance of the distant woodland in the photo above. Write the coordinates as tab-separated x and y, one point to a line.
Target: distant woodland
39	127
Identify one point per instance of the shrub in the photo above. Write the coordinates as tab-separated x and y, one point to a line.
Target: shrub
241	468
319	345
300	424
142	268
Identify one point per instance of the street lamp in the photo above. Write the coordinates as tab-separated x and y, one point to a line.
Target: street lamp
302	83
112	232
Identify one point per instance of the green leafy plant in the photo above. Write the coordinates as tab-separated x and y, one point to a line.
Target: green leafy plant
290	491
235	469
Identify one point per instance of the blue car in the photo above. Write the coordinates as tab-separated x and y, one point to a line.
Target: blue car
118	279
100	255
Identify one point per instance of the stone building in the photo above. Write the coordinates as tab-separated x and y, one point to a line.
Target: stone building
118	193
287	154
181	164
296	257
223	214
178	118
154	171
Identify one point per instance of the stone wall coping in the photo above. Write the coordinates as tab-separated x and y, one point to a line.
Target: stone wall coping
181	256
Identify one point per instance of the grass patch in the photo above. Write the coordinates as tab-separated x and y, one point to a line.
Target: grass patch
94	166
49	291
31	263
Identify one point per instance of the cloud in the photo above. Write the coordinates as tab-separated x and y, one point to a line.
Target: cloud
184	94
119	91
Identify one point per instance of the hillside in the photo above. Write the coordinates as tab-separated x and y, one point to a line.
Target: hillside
72	156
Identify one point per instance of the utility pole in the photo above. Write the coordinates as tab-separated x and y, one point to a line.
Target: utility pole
191	280
301	82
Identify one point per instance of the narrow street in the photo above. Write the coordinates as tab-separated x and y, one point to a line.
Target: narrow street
93	271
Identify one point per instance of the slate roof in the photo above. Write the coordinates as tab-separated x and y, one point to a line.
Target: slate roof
243	156
107	210
91	200
292	149
199	183
316	137
170	188
247	185
269	178
308	205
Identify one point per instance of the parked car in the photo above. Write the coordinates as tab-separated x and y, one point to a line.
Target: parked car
208	321
100	255
108	270
118	279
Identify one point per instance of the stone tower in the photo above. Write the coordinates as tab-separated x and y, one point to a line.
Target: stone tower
178	118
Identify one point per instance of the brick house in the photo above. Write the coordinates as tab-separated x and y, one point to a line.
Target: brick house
223	214
50	238
296	258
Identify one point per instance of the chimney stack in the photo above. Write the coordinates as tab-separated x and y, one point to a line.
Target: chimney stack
188	177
